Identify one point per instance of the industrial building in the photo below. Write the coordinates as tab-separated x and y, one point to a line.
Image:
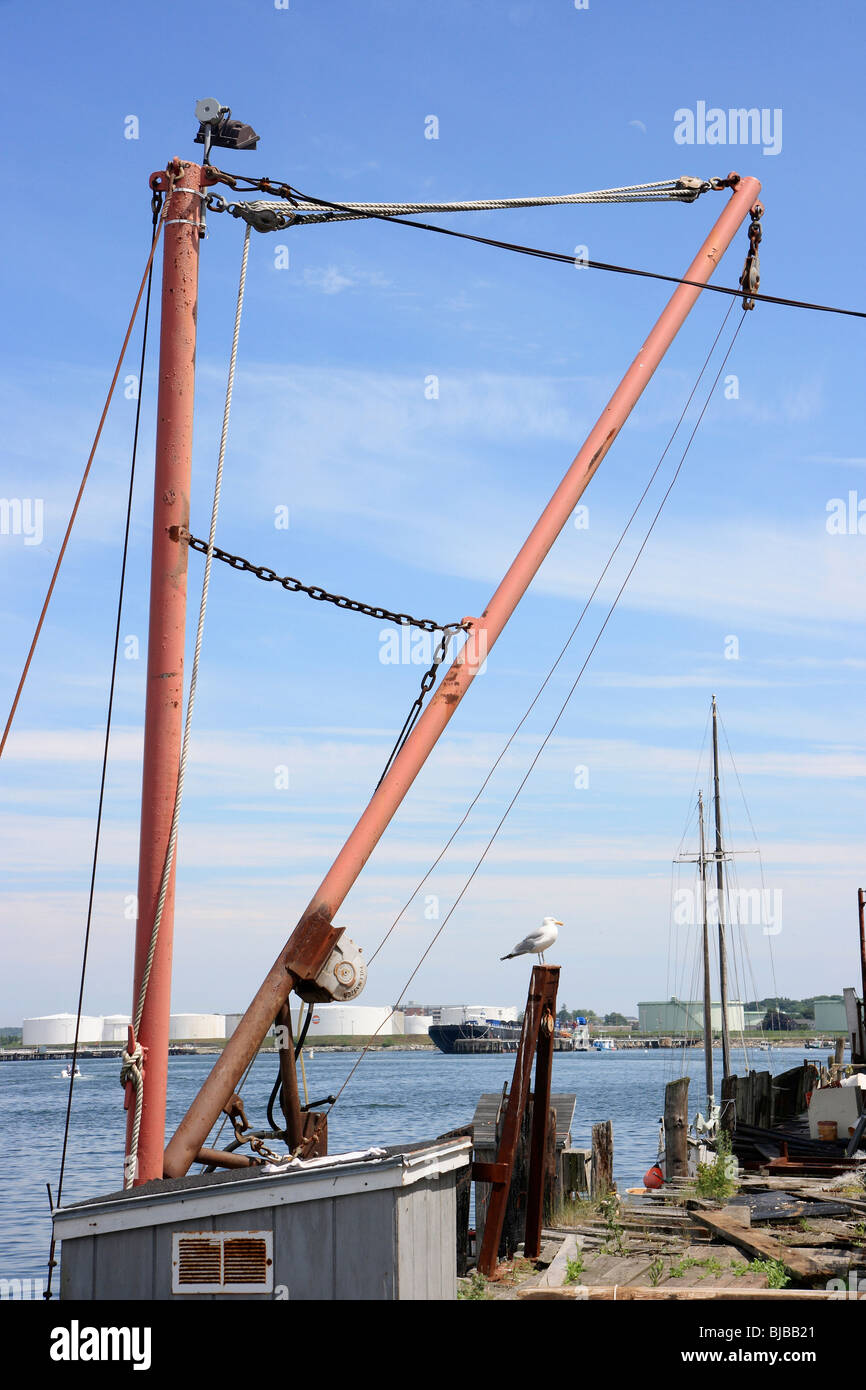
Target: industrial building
830	1016
673	1017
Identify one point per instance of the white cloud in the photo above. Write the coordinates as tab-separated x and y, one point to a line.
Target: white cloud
331	280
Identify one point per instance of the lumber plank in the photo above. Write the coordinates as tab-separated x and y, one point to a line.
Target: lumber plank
616	1269
665	1294
759	1245
554	1276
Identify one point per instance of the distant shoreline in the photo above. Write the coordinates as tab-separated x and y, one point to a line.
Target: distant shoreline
392	1043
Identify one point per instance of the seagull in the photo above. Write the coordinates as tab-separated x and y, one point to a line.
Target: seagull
537	942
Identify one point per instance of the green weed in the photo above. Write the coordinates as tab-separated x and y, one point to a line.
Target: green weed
474	1288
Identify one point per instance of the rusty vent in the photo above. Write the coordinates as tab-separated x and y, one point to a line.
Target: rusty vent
222	1262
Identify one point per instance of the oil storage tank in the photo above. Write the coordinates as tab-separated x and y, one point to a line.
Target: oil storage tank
58	1030
196	1027
115	1027
353	1020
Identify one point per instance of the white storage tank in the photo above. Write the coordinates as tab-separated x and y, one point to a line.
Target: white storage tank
417	1025
115	1027
232	1021
58	1030
196	1027
353	1020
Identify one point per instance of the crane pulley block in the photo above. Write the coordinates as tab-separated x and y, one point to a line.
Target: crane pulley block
342	977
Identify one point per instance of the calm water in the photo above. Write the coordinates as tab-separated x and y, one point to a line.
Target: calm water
393	1097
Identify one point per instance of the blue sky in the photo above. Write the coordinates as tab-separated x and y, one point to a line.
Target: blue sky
420	504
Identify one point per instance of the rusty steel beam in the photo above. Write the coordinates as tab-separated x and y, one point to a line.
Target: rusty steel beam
163	722
540	1122
222	1158
542	990
313	938
289	1099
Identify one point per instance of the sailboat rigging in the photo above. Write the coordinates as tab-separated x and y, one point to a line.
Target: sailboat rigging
719	904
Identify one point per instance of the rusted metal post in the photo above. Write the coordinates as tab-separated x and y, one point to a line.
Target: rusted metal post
861	905
541	996
289	1098
540	1126
165	648
676	1129
313	938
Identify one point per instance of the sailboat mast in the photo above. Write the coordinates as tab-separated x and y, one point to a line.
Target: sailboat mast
720	894
708	1008
184	184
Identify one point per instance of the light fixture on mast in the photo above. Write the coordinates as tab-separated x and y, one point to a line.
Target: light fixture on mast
216	128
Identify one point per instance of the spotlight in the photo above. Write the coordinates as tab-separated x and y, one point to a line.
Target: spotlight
216	128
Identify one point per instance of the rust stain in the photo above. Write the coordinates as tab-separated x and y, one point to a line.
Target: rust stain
602	450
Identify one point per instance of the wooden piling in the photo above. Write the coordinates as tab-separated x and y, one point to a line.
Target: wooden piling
575	1167
676	1128
602	1183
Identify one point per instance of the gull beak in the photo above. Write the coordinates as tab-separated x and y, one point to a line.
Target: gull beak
559	924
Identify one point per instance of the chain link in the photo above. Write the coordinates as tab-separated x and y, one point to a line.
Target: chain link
314	591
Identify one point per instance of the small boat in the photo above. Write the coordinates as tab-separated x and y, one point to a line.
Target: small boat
66	1073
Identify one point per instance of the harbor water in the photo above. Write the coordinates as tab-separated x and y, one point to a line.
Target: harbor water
394	1096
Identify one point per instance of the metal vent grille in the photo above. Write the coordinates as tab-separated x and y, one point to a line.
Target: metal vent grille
222	1262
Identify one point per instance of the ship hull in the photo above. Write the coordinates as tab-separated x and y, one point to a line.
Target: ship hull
447	1036
458	1039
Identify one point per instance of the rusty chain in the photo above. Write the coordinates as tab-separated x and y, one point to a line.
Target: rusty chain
314	591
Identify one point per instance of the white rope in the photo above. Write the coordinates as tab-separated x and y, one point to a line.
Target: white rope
132	1064
684	189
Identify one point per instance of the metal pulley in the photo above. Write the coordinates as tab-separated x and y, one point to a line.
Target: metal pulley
342	977
751	276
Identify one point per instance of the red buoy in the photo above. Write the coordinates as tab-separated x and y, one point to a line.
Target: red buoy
654	1177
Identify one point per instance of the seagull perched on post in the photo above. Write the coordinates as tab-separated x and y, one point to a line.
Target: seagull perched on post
537	942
